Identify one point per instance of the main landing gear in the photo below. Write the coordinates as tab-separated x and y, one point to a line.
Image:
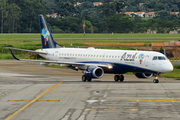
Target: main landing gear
119	78
84	78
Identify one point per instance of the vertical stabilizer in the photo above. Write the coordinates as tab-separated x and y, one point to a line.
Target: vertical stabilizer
47	39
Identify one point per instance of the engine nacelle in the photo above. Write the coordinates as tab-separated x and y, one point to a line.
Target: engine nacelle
143	75
94	72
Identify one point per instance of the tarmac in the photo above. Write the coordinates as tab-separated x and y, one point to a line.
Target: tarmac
30	91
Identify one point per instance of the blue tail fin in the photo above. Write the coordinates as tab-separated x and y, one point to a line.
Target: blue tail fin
165	53
47	39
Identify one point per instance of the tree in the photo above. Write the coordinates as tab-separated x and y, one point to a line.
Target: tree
29	15
107	8
66	8
164	15
119	24
13	17
4	13
161	50
119	5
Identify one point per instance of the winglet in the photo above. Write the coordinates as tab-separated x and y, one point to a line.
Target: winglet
13	54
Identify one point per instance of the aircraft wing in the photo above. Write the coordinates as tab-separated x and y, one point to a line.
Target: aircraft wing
26	50
56	62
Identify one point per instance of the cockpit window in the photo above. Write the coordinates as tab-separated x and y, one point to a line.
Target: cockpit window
155	58
161	58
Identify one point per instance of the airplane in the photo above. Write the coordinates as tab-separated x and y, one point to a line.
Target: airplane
94	63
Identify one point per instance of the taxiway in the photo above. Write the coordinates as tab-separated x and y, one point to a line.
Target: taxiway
29	91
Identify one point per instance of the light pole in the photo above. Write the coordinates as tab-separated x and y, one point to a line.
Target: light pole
84	27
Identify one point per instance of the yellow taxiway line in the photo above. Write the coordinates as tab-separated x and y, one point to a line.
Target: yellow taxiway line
35	101
32	101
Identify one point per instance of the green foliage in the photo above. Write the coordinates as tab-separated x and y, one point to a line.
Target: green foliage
161	50
176	66
174	73
21	16
5	56
55	66
55	29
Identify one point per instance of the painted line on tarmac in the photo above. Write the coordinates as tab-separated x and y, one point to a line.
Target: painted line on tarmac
156	100
132	109
35	101
32	101
103	109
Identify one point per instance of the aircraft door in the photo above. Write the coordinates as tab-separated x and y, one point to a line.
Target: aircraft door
56	55
146	60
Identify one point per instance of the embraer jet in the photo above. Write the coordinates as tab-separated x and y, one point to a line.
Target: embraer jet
96	62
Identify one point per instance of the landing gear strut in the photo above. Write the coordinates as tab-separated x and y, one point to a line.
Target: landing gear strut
119	78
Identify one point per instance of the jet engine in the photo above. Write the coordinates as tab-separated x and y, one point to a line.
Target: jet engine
94	72
143	75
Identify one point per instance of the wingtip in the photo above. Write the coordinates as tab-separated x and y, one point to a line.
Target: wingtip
13	54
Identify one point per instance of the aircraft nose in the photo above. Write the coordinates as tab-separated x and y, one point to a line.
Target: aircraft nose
169	67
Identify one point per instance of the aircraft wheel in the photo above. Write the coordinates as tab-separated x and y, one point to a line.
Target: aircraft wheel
116	78
84	78
155	81
121	78
89	79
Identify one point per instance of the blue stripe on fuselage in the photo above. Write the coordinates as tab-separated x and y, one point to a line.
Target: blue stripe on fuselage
119	68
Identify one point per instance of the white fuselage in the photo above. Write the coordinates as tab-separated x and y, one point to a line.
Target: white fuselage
127	60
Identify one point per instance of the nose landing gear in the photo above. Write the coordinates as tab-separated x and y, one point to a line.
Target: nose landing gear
156	78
